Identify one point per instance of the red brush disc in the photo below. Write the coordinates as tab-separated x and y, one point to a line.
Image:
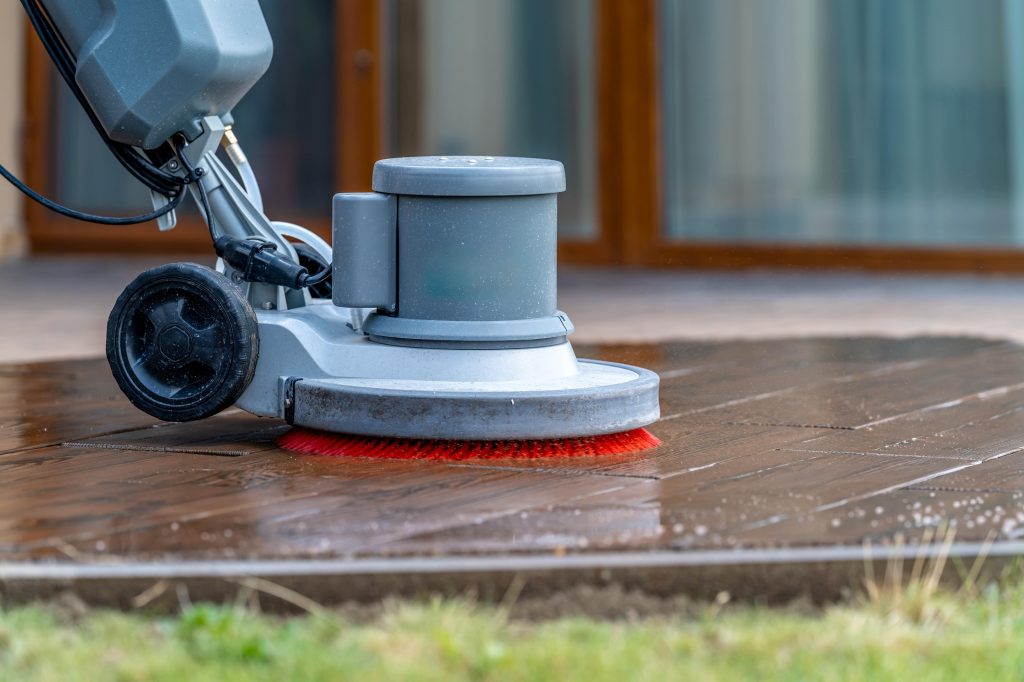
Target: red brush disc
310	442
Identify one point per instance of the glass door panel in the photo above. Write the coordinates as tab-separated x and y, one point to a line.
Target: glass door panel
860	122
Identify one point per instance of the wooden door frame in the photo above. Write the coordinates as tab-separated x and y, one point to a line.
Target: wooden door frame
618	140
627	116
632	196
361	68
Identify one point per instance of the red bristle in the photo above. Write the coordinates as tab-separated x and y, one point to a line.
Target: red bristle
308	441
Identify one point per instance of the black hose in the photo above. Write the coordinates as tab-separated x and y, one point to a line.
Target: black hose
89	217
135	161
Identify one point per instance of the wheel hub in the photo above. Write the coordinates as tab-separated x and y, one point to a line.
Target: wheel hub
175	343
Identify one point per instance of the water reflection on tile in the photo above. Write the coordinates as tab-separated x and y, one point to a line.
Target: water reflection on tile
772	444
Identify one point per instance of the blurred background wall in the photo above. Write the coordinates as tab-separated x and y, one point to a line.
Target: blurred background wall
12	74
825	133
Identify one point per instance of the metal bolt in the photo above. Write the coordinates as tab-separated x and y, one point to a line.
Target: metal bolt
236	277
173	165
268	305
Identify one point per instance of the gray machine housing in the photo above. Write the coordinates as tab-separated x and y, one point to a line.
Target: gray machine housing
453	251
155	68
455	257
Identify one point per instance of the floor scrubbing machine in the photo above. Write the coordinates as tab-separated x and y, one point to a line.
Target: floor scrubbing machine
431	315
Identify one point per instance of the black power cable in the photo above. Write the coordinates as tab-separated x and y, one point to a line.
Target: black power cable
321	276
89	217
134	160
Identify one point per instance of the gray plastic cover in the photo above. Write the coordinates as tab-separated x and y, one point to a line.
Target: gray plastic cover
483	411
468	176
365	250
153	68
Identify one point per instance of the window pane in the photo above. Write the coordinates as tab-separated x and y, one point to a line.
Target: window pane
503	77
843	121
285	124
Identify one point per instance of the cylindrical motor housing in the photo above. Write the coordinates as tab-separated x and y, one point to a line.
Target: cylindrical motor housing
470	245
154	68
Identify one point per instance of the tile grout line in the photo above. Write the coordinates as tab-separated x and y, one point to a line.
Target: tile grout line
856	498
979	395
879	454
846	378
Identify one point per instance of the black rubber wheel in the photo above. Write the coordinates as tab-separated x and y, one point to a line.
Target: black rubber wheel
315	264
182	342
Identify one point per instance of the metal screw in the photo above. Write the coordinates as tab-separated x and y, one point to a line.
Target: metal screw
173	165
236	277
268	305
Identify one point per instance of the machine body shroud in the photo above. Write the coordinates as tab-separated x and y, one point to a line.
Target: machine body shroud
457	256
153	68
316	371
464	250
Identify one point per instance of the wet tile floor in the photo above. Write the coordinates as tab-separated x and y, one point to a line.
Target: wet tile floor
768	447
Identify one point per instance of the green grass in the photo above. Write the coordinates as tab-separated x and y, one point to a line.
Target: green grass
916	633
